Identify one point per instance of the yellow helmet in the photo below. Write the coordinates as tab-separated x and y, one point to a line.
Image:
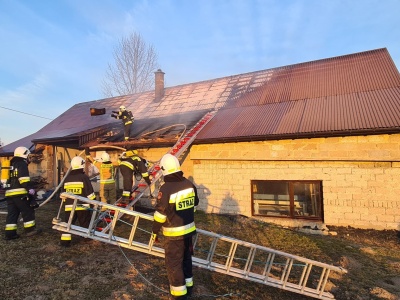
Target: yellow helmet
122	108
131	153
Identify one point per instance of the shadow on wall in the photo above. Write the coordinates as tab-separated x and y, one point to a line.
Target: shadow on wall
229	204
203	193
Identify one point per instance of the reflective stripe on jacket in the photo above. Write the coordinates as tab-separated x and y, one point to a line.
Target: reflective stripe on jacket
16	192
126	164
19	178
107	173
175	207
78	183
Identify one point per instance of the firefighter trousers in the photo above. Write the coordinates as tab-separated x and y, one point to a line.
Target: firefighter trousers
178	261
83	217
127	182
127	131
108	193
15	207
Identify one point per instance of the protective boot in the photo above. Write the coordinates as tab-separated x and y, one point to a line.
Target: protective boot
189	291
11	237
65	240
125	200
33	232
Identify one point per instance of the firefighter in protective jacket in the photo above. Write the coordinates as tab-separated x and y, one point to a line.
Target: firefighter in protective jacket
127	119
20	196
108	191
175	209
126	168
78	183
140	165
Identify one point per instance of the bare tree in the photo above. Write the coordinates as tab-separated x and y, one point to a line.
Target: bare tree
133	68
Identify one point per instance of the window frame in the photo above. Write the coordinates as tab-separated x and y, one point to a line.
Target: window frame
292	210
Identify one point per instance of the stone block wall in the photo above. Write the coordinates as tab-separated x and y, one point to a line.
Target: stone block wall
360	176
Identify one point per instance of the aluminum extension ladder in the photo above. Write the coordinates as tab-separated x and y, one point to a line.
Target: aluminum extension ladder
177	150
213	251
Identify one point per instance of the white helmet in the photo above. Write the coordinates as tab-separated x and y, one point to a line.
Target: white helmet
122	108
77	163
169	164
105	157
22	152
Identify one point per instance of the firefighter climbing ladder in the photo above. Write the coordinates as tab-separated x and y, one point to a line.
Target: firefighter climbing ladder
177	150
213	251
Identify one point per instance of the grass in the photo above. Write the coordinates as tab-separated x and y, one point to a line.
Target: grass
38	268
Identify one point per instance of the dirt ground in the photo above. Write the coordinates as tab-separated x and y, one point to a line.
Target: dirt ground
38	268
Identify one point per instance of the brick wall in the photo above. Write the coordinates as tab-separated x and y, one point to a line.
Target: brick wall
360	176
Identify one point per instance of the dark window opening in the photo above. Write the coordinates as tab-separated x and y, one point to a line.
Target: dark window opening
288	199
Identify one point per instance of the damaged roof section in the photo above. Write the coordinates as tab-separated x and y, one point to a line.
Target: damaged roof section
163	131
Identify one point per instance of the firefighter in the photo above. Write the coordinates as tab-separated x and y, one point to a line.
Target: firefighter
126	167
108	192
176	203
20	196
140	165
127	119
78	183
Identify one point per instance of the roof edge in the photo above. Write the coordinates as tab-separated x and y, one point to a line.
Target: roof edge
276	137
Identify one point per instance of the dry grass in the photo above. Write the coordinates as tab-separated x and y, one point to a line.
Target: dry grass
38	268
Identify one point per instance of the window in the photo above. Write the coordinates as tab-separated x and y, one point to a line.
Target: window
290	199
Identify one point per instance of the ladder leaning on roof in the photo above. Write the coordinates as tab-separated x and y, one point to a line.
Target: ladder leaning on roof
213	251
178	150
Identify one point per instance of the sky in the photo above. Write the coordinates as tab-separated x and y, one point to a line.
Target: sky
54	54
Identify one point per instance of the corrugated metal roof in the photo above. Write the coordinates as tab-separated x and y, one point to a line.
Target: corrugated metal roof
351	94
341	95
378	111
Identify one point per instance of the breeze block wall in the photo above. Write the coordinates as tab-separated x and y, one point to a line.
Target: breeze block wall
360	176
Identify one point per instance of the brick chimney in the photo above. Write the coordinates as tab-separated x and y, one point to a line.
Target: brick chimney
159	89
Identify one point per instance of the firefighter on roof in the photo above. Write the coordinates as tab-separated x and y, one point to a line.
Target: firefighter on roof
78	183
20	196
174	214
127	119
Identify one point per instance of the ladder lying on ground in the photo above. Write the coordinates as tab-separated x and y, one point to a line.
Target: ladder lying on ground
213	251
177	150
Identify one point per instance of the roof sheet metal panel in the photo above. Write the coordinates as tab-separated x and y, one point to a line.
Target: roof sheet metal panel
372	110
358	111
352	73
271	119
359	92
